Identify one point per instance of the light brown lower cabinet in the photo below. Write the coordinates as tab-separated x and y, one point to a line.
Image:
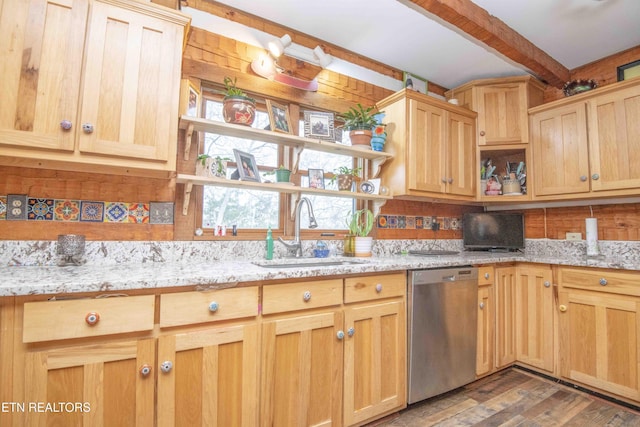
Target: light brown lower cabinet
599	325
486	318
505	316
534	312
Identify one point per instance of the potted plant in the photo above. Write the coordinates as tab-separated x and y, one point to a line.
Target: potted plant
282	174
358	241
345	176
238	108
359	121
207	165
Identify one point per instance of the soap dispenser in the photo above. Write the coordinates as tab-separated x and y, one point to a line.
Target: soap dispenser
269	254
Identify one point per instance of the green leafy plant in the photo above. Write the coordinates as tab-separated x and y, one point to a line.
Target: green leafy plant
232	90
359	117
360	222
345	170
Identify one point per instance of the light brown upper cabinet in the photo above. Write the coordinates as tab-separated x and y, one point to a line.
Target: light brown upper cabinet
91	86
433	147
588	145
502	106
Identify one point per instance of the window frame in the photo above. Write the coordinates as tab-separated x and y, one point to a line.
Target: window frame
286	224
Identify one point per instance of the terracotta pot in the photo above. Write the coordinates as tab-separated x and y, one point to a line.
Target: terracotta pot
345	182
238	110
361	138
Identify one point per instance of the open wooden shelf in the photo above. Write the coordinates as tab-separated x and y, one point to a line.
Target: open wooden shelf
190	180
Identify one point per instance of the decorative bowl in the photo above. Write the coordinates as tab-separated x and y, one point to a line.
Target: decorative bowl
578	86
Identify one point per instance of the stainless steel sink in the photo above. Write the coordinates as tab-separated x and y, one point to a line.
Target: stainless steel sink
306	262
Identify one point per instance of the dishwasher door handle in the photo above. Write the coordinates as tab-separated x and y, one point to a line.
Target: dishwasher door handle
450	278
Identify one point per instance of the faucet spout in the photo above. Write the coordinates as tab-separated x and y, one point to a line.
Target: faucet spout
295	247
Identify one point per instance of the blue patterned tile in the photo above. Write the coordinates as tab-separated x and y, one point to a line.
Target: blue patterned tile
3	207
382	221
39	209
116	212
91	211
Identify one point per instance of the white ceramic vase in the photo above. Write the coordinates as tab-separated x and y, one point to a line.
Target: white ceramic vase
363	246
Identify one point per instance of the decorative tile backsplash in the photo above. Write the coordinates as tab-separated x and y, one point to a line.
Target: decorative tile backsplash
20	207
407	222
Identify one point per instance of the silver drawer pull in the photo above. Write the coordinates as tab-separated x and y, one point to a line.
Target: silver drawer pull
603	281
306	296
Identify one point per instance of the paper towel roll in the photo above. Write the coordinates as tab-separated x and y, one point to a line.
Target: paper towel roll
592	236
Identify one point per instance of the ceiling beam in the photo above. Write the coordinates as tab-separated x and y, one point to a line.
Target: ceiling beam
491	31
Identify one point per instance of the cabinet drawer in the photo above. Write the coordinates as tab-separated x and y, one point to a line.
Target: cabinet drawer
187	308
56	320
301	296
374	287
486	276
612	281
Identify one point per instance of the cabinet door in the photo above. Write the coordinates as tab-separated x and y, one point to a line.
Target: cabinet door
502	114
131	89
374	360
105	383
560	153
427	148
209	377
41	45
484	355
599	341
534	316
301	370
505	294
461	155
614	129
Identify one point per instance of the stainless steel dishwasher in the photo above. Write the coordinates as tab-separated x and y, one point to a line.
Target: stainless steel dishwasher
442	322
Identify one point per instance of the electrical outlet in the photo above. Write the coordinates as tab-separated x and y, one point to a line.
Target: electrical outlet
574	236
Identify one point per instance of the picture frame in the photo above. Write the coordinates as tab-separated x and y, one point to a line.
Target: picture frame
279	118
413	82
190	98
320	125
316	178
630	70
246	166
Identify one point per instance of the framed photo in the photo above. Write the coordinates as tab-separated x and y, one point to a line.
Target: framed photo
413	82
279	117
316	178
627	71
319	125
247	167
189	98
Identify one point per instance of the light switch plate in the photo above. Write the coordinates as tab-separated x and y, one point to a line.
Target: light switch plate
574	236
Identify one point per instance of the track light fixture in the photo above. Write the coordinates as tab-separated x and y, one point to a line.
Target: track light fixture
277	46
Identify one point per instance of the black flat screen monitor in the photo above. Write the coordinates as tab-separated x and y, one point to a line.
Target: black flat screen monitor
493	231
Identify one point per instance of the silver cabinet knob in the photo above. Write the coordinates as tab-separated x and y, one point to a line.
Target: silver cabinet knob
481	306
482	133
595	177
450	180
547	284
603	281
486	275
351	331
379	287
583	178
87	128
213	306
66	124
145	370
166	366
306	296
340	335
444	180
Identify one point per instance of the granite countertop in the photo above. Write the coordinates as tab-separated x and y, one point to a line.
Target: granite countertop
32	280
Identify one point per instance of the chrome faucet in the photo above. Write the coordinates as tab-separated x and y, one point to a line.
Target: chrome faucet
295	248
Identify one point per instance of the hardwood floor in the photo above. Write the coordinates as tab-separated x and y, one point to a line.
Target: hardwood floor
514	398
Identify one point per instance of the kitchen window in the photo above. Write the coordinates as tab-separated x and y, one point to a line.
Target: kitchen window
255	209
